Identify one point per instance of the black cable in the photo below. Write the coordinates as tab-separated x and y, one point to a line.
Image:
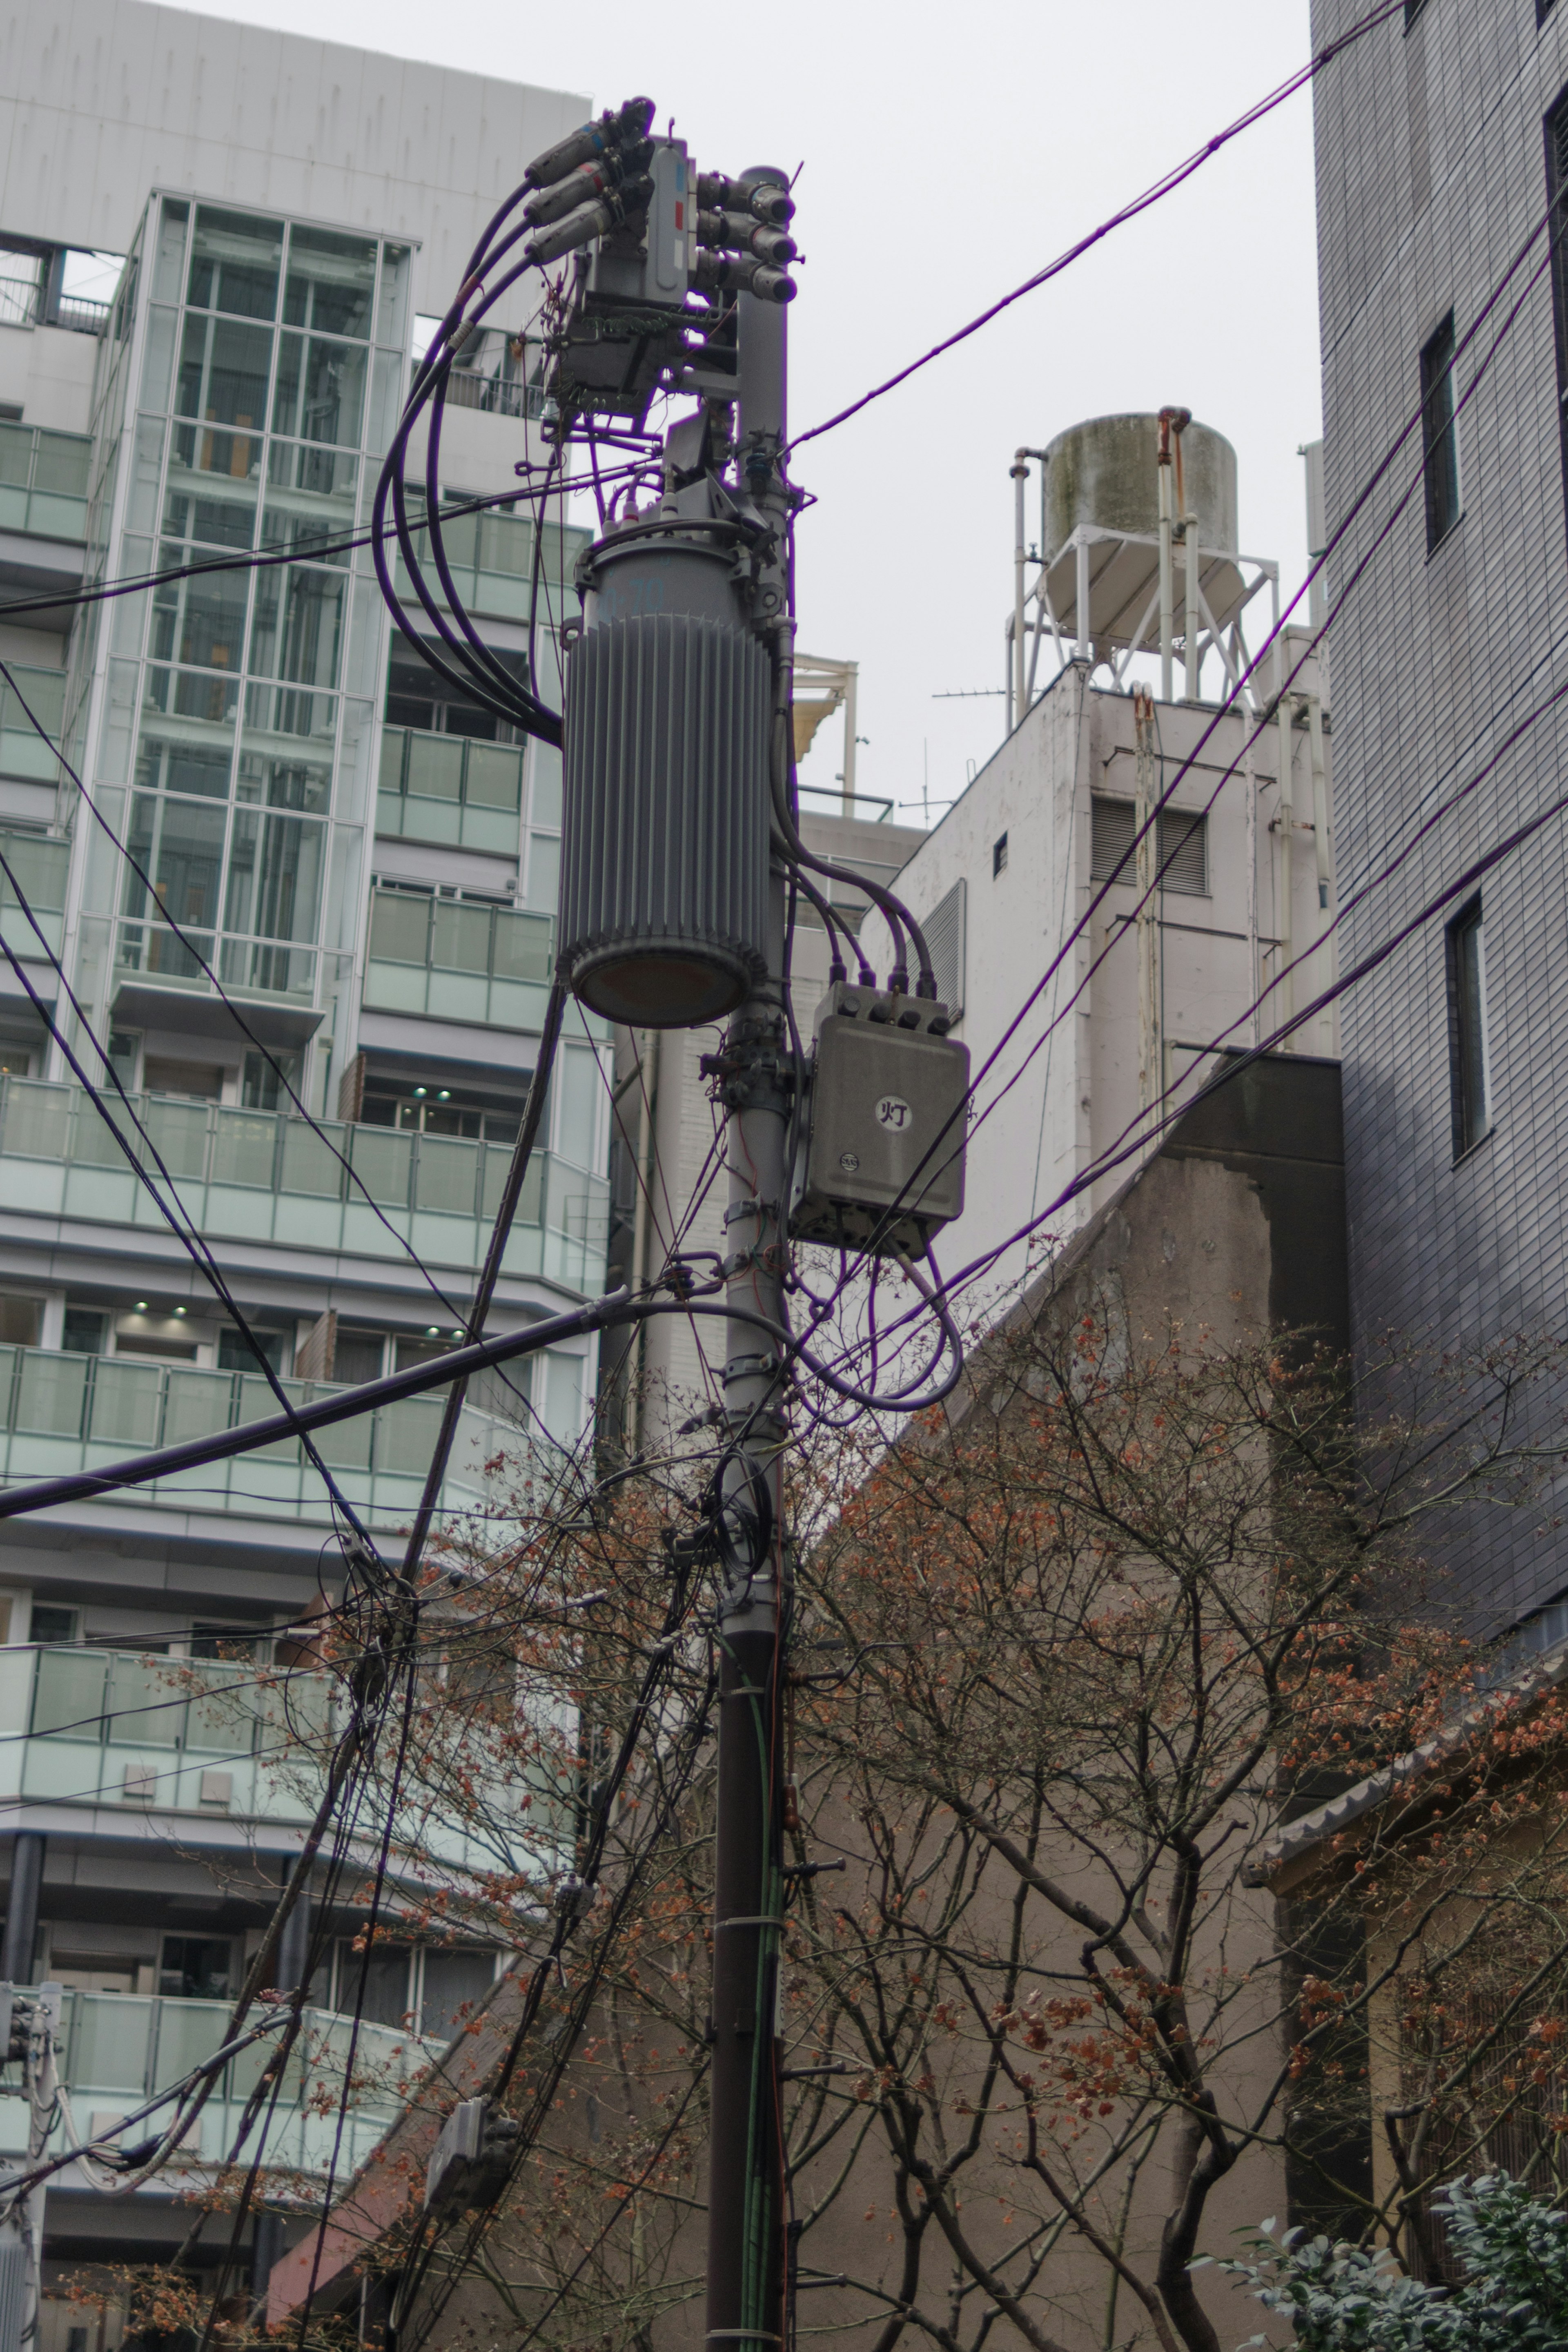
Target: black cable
191	1240
235	1008
1164	186
490	1272
264	560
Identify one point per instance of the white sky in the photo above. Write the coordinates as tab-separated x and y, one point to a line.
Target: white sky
948	153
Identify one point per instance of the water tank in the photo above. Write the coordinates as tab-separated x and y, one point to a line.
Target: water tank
1107	472
664	890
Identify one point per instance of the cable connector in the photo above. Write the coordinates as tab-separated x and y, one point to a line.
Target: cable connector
574	1898
590	220
618	127
741	273
599	178
741	234
766	202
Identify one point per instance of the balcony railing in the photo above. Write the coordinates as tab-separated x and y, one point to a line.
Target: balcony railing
44	481
259	1176
40	867
210	1749
458	960
491	560
119	2049
62	1412
449	789
496	395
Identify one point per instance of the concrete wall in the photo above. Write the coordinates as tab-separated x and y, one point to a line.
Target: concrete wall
1431	174
1065	1085
102	99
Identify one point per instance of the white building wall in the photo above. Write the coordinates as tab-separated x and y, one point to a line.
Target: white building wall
102	99
1062	1091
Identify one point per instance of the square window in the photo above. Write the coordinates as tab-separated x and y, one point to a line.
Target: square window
1439	442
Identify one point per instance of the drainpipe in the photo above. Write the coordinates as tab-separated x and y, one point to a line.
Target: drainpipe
1151	1050
1285	821
1019	476
1172	420
22	1911
1191	611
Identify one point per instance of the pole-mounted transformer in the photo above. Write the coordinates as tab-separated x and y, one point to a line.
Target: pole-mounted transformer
663	894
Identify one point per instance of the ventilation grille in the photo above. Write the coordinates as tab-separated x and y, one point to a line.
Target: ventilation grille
1182	862
943	929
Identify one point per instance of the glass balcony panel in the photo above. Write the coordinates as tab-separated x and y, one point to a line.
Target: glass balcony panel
94	1145
406	1434
188	2033
146	1706
258	1402
497	1159
460	937
61	463
51	1395
435	766
198	1404
544	805
36	1120
446	1173
243	1146
16	455
40	866
383	1163
178	1132
310	1164
496	776
346	1445
390	779
111	2043
68	1694
127	1403
524	946
506	543
460	540
221	1713
400	926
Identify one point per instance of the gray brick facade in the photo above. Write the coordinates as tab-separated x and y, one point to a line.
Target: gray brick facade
1431	176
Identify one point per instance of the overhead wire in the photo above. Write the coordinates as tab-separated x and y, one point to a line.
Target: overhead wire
1164	186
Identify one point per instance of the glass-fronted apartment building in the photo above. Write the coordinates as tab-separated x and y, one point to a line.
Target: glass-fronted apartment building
295	877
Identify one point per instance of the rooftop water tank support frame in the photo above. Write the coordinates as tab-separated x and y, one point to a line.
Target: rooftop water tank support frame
1101	593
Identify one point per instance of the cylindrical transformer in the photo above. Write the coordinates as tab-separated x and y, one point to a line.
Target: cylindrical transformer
664	890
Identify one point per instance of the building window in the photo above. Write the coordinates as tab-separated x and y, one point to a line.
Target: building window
1181	860
1439	442
998	856
1468	1073
1413	9
1543	10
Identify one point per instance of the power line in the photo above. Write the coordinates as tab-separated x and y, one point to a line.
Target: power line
1165	186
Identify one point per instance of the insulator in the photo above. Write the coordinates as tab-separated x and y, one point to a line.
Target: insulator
741	273
743	234
768	203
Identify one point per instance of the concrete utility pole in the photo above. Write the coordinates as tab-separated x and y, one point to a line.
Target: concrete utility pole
745	2275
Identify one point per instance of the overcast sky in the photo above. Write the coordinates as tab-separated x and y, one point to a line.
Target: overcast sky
950	153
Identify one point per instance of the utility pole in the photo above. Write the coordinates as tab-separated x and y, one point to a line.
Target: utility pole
746	2187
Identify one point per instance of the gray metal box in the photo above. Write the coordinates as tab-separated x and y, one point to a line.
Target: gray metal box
884	1165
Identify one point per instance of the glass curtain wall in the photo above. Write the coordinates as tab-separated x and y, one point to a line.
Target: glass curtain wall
235	748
